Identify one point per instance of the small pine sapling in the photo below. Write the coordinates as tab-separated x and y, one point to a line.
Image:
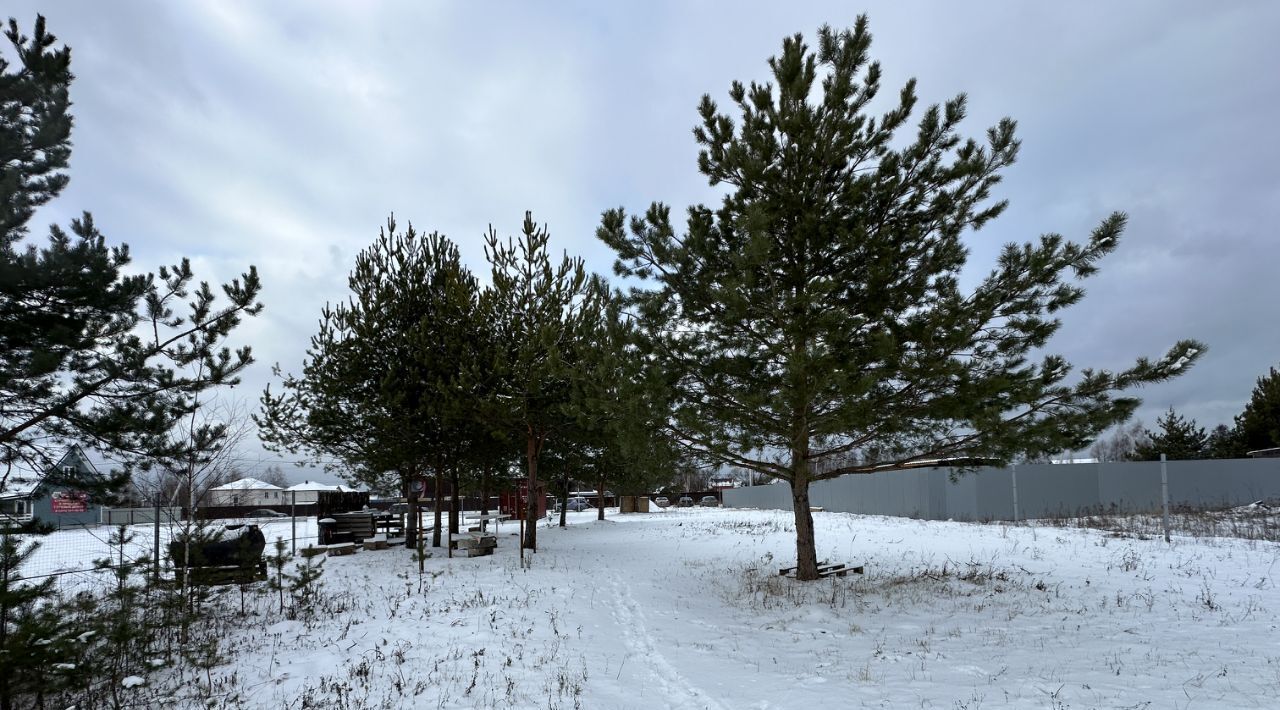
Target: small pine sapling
304	584
276	562
120	639
33	636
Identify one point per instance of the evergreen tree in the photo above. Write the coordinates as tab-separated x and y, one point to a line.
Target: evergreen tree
89	354
26	618
819	308
1224	443
1259	423
35	127
373	393
304	585
544	317
623	404
1178	439
276	561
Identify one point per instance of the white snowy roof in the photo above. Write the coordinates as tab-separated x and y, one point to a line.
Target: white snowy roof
313	486
21	482
245	484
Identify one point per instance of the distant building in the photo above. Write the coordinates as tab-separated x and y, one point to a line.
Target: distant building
52	496
247	492
720	484
309	492
1272	453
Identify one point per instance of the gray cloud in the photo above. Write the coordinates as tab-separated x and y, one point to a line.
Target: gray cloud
282	134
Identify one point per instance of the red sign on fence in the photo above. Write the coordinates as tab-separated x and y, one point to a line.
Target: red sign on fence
70	502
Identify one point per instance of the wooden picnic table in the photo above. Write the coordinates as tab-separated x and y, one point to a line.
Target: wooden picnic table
476	541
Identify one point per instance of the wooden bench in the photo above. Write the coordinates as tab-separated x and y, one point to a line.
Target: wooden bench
827	569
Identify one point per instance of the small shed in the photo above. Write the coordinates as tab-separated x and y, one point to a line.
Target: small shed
52	496
633	504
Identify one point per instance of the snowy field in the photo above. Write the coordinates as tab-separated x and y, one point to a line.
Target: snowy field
684	609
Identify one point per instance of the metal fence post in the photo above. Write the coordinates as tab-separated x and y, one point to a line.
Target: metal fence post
293	520
1164	494
155	563
1015	492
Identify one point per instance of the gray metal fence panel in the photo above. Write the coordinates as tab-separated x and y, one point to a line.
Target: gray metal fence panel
138	516
1057	489
1043	489
1131	487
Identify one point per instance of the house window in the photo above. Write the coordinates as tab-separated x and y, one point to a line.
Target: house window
14	507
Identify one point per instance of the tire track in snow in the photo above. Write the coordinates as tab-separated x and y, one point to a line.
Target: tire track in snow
635	634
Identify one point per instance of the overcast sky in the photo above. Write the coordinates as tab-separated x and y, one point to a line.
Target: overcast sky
282	134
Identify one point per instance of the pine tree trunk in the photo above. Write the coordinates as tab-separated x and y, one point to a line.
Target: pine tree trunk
455	505
564	501
411	524
600	500
6	571
806	551
531	515
435	507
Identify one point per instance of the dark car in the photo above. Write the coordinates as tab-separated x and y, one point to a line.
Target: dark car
685	502
709	501
265	513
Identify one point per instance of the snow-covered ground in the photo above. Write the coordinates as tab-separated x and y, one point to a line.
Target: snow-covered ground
684	609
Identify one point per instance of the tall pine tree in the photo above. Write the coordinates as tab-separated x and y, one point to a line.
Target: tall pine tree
545	316
819	310
1224	443
1258	425
373	391
88	354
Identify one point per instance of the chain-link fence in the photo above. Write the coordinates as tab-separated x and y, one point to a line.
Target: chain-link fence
83	552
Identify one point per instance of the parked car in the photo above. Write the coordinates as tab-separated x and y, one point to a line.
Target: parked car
709	501
577	505
265	513
398	509
685	502
662	501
